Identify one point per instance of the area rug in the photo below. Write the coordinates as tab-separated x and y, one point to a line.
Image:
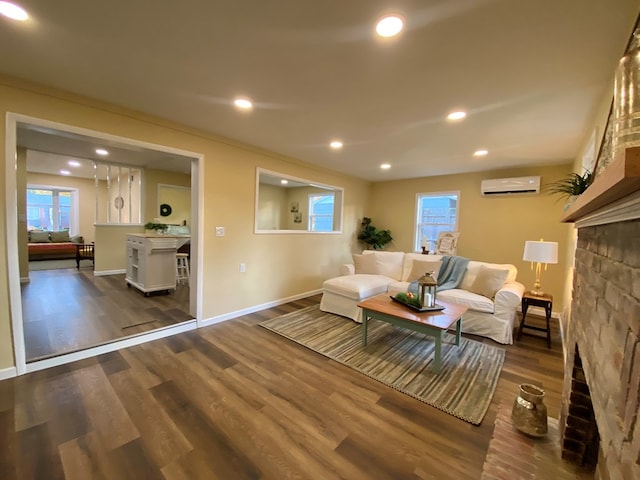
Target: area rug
402	359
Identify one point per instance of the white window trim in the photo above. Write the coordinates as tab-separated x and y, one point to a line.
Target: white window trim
74	227
416	223
329	194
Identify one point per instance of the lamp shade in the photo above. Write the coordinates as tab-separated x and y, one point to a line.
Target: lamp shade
541	252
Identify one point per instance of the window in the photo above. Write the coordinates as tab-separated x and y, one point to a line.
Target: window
436	212
321	212
50	209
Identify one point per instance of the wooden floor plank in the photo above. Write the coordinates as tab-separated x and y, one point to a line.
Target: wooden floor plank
234	401
67	310
161	438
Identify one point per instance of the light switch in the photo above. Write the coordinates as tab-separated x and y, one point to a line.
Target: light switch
219	231
243	267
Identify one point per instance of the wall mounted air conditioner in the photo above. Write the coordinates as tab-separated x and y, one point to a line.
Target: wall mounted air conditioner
510	186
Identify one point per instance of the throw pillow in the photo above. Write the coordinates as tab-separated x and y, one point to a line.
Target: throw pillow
40	237
419	268
62	236
77	239
489	281
365	264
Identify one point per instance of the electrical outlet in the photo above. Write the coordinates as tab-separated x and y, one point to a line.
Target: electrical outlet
219	231
243	267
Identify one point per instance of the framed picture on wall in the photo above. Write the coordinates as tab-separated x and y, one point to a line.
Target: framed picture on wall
297	217
295	207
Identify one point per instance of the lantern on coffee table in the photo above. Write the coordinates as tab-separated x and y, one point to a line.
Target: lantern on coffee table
427	290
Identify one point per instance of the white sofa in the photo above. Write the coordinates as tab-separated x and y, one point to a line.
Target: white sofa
488	317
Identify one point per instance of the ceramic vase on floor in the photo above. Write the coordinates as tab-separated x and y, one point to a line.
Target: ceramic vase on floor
529	414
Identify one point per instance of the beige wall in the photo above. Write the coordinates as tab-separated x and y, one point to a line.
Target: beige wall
179	199
492	229
278	265
152	178
111	246
272	208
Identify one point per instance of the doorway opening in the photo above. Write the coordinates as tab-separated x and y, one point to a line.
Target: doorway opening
80	310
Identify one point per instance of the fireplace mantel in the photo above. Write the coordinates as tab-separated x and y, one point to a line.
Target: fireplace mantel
609	191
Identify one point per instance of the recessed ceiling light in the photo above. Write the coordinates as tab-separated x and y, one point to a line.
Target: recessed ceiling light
102	151
243	103
65	172
73	163
284	182
456	115
13	11
336	144
389	26
480	153
385	166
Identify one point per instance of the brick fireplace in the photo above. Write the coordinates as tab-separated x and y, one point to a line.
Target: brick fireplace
599	417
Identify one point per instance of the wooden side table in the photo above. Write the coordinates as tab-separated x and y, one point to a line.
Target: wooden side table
546	301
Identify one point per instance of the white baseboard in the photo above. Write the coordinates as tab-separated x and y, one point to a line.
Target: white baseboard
246	311
8	373
103	273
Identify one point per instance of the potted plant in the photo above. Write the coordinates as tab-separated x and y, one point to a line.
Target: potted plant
373	237
571	186
158	227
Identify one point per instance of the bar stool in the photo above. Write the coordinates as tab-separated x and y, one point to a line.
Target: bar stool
182	268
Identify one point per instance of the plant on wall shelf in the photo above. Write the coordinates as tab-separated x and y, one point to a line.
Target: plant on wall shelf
571	186
373	237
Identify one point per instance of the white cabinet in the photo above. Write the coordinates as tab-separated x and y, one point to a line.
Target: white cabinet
151	262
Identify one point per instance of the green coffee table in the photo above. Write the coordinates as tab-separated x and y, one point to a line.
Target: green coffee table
435	324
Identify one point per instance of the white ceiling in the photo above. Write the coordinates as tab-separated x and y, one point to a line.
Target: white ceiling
529	72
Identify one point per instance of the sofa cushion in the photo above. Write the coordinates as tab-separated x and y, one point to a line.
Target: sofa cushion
365	264
488	281
472	300
39	236
389	263
474	267
419	268
358	286
409	258
61	236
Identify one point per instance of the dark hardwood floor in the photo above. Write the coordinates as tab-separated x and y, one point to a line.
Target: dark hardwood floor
66	310
236	401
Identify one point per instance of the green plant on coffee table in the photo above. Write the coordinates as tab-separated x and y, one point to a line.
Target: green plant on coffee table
408	298
571	185
373	237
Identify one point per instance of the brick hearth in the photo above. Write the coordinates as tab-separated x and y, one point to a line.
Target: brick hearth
515	456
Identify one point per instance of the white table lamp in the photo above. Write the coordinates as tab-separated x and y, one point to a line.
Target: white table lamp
540	253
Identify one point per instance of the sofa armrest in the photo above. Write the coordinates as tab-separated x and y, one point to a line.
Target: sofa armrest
509	296
347	269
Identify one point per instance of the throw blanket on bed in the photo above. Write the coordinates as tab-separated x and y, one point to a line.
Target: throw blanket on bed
450	274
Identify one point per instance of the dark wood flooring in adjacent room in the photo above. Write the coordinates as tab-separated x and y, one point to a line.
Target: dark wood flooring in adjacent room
66	310
235	401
